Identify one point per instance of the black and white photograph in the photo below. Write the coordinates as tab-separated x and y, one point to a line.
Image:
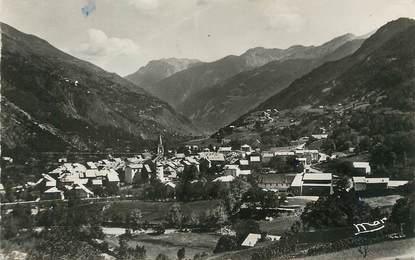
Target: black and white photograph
207	129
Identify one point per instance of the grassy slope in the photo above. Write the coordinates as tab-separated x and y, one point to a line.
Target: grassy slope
399	249
155	212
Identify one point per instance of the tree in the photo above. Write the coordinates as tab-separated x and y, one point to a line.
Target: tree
162	257
403	215
328	146
10	228
175	216
244	227
342	208
365	143
181	253
112	188
135	218
226	243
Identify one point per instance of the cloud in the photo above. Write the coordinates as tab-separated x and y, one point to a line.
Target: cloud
100	45
107	52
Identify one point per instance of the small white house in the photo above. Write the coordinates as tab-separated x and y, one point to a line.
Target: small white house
362	167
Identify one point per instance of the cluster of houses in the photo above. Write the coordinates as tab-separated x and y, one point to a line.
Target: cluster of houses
226	164
80	178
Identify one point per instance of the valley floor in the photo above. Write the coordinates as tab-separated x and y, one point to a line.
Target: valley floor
398	249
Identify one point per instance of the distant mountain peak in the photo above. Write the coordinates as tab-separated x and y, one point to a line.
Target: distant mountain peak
156	70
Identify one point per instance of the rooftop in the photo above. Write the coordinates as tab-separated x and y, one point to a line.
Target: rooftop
317	176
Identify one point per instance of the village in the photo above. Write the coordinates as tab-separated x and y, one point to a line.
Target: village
284	177
281	169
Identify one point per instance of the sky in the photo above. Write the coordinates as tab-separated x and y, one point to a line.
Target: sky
122	35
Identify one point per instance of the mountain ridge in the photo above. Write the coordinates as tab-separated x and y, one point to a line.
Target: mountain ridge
215	106
176	88
156	70
92	108
324	76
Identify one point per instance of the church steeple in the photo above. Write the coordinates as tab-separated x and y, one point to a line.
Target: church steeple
160	148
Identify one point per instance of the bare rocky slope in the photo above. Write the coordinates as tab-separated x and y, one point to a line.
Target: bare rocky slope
156	70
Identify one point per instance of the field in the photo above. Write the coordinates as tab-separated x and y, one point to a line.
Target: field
169	244
155	212
278	225
399	249
382	201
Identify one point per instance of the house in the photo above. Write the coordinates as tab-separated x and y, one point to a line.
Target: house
170	171
362	168
312	184
112	176
160	171
180	155
323	157
170	184
310	155
131	170
284	153
231	169
272	238
376	184
96	182
276	182
320	136
267	156
68	178
102	173
359	183
91	165
244	164
63	160
91	173
297	184
251	240
302	161
362	183
147	168
50	182
193	162
254	159
214	159
134	160
227	178
246	148
244	172
396	183
53	193
225	150
2	190
81	191
317	184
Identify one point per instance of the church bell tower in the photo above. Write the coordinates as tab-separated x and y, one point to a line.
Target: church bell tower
160	148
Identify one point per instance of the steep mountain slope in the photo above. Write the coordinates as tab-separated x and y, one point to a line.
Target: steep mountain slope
216	106
365	96
364	102
182	85
383	65
50	93
157	70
